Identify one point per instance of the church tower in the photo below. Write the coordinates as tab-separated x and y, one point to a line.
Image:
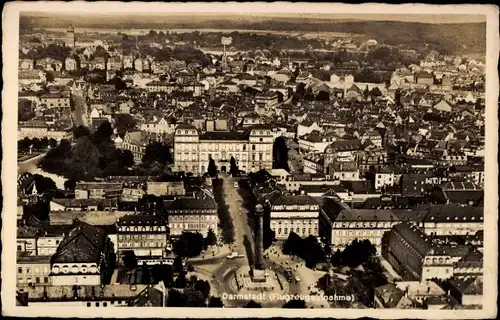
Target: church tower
70	37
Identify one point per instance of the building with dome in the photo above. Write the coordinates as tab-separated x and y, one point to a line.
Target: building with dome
252	149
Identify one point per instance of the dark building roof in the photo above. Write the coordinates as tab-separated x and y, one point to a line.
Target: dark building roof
84	243
359	187
332	207
192	204
27	232
461	186
71	202
389	295
454	213
471	286
148	297
345	145
366	214
414	237
185	126
446	300
321	188
291	200
224	135
98	185
140	220
259	177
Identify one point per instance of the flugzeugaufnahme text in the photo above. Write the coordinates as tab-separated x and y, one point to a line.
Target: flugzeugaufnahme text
287	297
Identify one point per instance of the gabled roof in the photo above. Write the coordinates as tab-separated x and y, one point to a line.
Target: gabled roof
471	286
192	204
454	213
414	237
84	243
345	145
390	296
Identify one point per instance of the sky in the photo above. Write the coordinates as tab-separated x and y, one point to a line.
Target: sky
424	18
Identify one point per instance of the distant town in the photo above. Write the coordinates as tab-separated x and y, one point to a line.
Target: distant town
197	168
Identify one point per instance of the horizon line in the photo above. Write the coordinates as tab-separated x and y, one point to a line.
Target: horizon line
432	18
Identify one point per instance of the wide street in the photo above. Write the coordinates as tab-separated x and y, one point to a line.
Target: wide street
219	270
81	116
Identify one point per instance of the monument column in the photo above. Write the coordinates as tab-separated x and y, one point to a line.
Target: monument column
259	238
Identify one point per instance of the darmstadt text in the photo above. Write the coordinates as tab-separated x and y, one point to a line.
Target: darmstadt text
287	297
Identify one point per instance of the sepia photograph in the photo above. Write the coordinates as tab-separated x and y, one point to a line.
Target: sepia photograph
203	158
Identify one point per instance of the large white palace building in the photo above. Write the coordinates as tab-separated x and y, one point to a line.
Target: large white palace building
252	149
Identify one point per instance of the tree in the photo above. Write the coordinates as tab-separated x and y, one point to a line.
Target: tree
366	93
178	265
204	287
152	34
43	184
146	277
127	158
101	52
70	184
211	238
323	96
24	144
336	258
215	302
118	83
253	304
308	249
189	244
280	154
162	272
375	92
49	76
84	160
40	210
129	259
292	244
357	253
52	143
103	132
295	304
194	298
212	168
397	97
157	152
175	298
181	281
234	170
124	122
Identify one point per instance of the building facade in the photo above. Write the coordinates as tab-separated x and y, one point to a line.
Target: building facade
98	190
84	257
32	270
297	214
145	235
192	215
252	149
453	220
405	248
362	224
